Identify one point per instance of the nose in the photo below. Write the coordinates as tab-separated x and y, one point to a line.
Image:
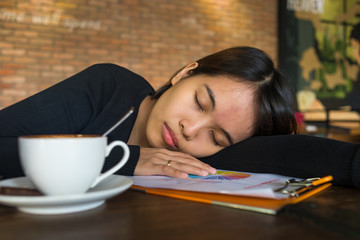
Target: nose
192	128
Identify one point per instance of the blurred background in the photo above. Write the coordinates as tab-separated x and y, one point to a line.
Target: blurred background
43	42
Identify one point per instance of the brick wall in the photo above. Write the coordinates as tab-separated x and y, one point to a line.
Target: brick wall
44	41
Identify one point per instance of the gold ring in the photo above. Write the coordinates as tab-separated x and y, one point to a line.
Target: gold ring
169	163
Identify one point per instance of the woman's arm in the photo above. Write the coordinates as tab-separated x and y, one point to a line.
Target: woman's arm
66	107
300	156
87	102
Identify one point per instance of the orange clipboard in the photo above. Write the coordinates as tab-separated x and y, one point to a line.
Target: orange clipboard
306	189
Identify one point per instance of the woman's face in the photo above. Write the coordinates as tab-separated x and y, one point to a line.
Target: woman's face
201	115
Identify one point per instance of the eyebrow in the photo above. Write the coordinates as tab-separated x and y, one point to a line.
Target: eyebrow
212	99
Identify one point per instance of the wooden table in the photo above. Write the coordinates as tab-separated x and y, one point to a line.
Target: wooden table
332	214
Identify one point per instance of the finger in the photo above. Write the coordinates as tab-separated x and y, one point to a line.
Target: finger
185	158
172	172
160	155
187	168
181	163
195	166
164	170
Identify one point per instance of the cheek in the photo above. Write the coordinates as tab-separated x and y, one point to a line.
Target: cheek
202	146
201	149
173	101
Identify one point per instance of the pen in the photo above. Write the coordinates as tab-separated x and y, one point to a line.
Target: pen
322	180
304	186
309	187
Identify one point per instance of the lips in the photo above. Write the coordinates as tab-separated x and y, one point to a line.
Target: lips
169	137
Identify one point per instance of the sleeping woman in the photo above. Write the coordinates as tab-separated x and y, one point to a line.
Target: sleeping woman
231	110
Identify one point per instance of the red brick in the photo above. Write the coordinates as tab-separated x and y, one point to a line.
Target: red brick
6	71
51	48
40	41
14	92
99	52
39	54
7	4
63	55
13	52
15	40
153	38
12	66
5	85
12	25
51	74
64	5
63	68
63	43
13	79
26	34
6	45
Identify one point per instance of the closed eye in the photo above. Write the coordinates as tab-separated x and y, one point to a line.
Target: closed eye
214	139
197	102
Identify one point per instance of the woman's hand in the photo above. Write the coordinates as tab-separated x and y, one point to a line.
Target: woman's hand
158	161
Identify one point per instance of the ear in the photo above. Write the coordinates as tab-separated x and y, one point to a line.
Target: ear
184	72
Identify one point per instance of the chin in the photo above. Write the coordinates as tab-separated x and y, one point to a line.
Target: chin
158	144
192	154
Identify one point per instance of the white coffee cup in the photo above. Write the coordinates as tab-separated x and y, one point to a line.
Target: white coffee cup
67	164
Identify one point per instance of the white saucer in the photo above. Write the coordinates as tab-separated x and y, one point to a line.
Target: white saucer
95	197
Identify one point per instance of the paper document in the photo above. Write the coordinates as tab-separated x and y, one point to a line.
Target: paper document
226	182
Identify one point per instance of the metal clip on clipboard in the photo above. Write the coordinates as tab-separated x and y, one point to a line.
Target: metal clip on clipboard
295	188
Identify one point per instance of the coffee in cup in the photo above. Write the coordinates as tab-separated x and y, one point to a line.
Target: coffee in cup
67	164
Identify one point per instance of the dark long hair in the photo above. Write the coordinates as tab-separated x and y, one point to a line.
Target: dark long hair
273	96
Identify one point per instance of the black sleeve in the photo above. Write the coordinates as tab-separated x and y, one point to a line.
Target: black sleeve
300	156
69	107
66	107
